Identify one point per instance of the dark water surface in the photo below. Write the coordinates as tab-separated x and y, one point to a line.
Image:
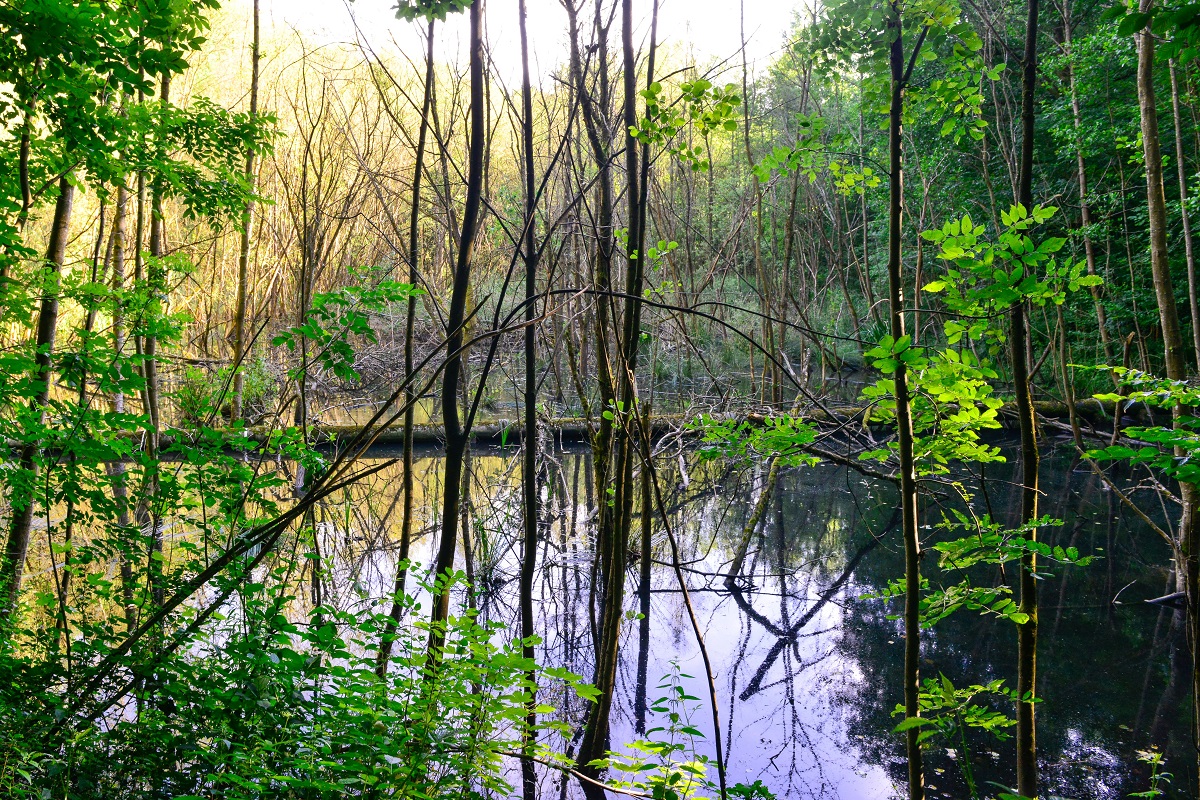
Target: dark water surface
807	671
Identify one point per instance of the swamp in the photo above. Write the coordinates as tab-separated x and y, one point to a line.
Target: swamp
585	399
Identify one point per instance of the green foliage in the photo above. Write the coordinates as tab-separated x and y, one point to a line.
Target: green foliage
948	712
985	278
1168	448
266	707
703	107
1158	778
783	437
429	9
985	543
952	399
664	765
334	317
951	404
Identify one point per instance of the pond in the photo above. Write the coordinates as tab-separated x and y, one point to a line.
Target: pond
807	668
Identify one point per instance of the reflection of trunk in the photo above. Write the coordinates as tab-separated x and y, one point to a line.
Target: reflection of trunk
641	707
615	545
760	507
529	474
1172	339
904	427
1167	711
456	436
410	394
239	320
1027	777
786	634
22	499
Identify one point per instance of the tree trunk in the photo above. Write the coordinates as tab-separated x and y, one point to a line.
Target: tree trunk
410	394
116	469
456	436
23	499
904	426
1172	339
239	320
1085	209
1027	772
1185	217
531	506
614	547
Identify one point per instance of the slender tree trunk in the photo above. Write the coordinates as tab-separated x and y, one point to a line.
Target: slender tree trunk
1085	208
456	436
116	469
904	425
23	498
1185	217
239	319
760	275
157	285
531	505
1027	772
1172	338
615	546
868	289
410	394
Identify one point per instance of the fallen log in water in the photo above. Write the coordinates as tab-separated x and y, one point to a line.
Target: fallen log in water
1091	413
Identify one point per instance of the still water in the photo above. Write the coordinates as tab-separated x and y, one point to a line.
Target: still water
808	670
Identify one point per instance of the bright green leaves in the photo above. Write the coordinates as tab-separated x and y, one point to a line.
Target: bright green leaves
947	711
996	601
429	9
990	543
1177	26
951	402
890	353
802	156
1173	449
706	108
856	36
985	277
195	154
1159	777
664	764
956	96
335	317
783	437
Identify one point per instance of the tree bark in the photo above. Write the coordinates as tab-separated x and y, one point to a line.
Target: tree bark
1185	217
904	426
456	436
531	505
23	500
1085	208
614	546
1156	206
1027	632
410	394
239	319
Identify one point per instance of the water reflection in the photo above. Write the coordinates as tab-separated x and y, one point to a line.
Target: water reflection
808	673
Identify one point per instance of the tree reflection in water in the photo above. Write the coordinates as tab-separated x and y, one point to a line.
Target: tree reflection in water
808	672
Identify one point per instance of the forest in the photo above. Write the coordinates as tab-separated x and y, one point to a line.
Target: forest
454	409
